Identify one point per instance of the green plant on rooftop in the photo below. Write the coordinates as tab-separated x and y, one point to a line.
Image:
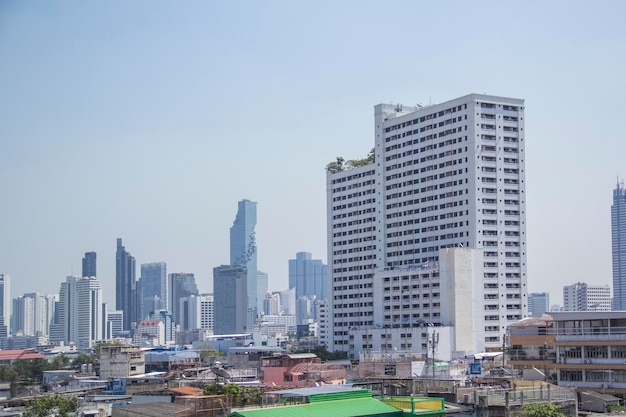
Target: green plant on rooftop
541	410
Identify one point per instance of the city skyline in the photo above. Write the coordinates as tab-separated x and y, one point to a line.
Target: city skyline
135	135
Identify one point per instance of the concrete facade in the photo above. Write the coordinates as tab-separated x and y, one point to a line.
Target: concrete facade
121	361
440	176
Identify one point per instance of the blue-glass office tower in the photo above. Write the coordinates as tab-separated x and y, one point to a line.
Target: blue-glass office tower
307	276
618	235
89	264
243	252
181	285
152	288
125	285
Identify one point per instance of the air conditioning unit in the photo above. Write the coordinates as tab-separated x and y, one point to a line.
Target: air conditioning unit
587	361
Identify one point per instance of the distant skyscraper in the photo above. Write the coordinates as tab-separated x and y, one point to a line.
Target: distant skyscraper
198	313
5	305
152	288
181	285
125	285
618	235
230	296
307	276
538	304
89	264
586	297
243	252
79	317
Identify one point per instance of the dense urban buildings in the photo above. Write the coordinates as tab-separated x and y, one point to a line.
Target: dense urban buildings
538	304
586	297
125	285
152	288
89	264
618	238
449	175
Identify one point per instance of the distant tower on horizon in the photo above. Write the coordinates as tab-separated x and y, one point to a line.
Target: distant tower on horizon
307	276
243	252
538	304
618	238
125	285
230	289
180	285
89	264
79	315
5	307
152	288
585	297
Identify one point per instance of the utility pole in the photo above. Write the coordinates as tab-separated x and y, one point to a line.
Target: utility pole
434	341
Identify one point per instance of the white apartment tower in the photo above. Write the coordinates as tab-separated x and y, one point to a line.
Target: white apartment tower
440	176
586	297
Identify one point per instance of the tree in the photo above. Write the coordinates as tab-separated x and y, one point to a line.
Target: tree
541	410
81	359
52	406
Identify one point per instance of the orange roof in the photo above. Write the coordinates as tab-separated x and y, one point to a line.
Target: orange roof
19	354
187	390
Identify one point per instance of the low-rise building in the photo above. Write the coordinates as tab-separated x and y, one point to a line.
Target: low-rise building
300	370
582	349
121	361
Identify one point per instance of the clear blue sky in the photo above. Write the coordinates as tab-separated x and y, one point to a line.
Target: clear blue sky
149	120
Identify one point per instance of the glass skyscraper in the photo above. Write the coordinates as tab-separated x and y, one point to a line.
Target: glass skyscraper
125	285
618	236
89	264
243	252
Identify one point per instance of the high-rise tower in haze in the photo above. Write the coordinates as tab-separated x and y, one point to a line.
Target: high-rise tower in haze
125	285
79	316
152	288
89	264
5	305
181	285
450	175
618	238
243	252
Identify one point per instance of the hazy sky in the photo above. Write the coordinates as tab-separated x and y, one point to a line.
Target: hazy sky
150	120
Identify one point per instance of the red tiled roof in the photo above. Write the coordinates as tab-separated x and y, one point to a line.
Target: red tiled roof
19	354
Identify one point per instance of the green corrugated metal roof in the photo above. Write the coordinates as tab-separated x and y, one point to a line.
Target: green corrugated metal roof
343	408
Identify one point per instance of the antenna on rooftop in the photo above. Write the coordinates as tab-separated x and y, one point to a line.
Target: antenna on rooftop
398	108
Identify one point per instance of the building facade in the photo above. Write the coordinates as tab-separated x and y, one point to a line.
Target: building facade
79	317
538	304
230	292
586	350
618	248
89	264
308	276
439	176
125	285
586	297
152	288
180	286
5	305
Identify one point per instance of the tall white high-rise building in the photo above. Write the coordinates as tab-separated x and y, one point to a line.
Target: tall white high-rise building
439	176
79	313
199	312
32	314
586	297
